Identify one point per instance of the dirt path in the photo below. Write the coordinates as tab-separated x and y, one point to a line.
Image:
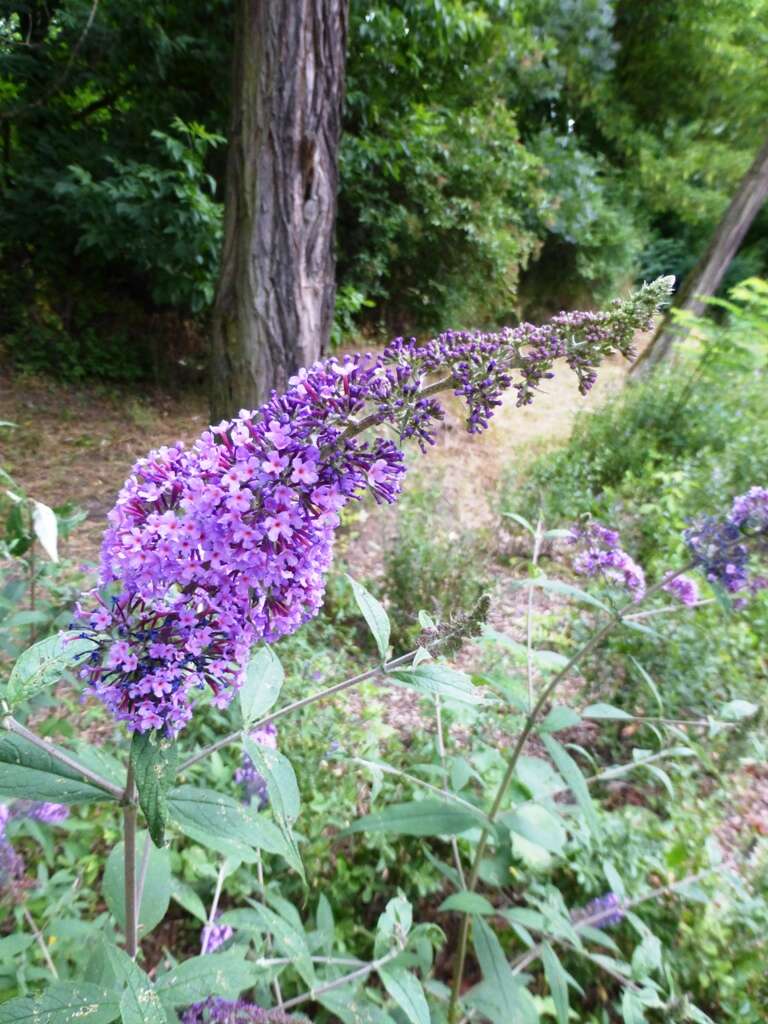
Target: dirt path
77	444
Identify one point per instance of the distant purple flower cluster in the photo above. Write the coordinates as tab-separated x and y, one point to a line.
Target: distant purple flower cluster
216	1010
12	866
725	548
602	556
253	782
684	589
214	548
606	911
213	936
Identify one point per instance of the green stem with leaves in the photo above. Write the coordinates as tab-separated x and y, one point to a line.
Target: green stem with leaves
594	641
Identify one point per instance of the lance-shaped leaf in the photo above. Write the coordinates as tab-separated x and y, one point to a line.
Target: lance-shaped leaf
264	679
44	663
501	986
572	775
282	787
157	881
154	760
29	773
217	821
65	1002
374	614
405	988
436	680
420	818
139	1003
215	974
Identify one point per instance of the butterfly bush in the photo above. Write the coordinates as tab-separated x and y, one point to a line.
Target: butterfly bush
215	547
727	549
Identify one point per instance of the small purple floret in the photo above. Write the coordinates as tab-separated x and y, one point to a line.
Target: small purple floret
213	936
606	911
684	589
602	556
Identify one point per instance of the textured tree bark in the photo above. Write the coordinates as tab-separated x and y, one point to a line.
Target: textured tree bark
275	297
706	276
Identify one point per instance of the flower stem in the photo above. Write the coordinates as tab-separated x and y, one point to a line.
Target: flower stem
361	972
10	723
129	837
296	705
40	940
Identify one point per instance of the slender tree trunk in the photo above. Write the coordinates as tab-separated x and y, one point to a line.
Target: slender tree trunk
274	303
706	276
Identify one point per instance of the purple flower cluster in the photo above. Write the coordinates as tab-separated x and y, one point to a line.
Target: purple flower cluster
607	910
684	589
602	555
726	548
214	548
213	936
215	1010
12	866
253	782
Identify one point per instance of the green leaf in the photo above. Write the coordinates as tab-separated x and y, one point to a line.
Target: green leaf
280	777
521	521
557	980
325	923
215	974
290	941
43	664
139	1003
186	897
538	825
405	988
419	818
560	717
223	824
558	587
264	679
374	614
599	712
435	679
156	895
735	710
548	661
538	776
468	903
30	773
571	772
503	987
154	761
63	1003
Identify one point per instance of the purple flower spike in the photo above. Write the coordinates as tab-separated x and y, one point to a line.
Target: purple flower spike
215	1010
684	589
726	549
213	936
214	548
606	911
602	556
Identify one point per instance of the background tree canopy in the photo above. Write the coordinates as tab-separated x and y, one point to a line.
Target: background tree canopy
498	159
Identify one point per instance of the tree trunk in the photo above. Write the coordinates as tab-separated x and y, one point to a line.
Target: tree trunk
275	297
706	276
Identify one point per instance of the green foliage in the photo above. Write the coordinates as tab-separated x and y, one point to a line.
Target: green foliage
158	219
441	571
